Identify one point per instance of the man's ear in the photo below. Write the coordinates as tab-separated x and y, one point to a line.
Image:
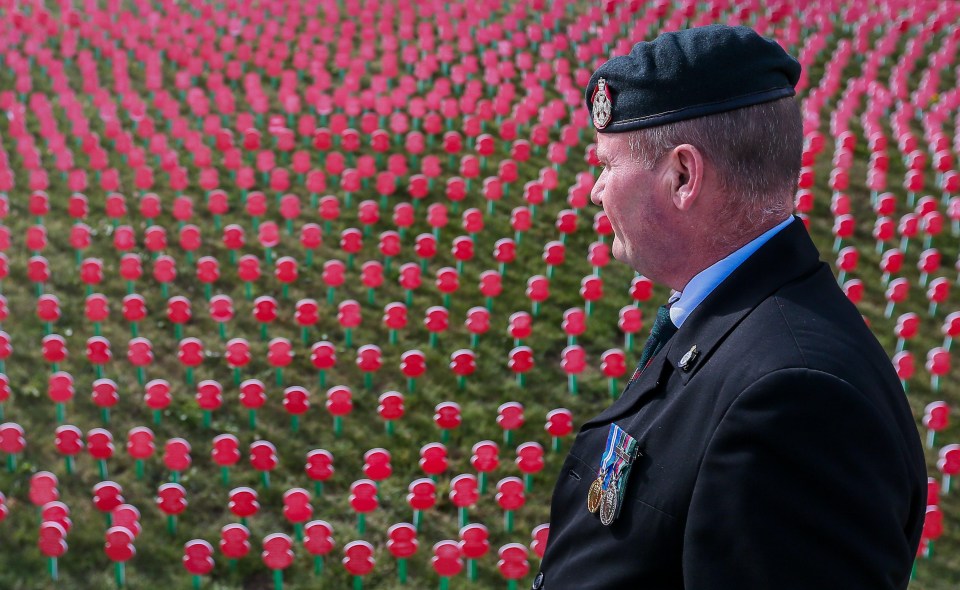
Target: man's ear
686	175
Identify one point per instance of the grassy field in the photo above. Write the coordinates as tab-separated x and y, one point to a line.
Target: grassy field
157	563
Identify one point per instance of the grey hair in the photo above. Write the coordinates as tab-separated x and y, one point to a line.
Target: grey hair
756	151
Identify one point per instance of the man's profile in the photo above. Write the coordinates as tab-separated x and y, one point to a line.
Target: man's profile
764	441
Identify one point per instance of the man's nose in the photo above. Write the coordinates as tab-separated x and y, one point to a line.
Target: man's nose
595	194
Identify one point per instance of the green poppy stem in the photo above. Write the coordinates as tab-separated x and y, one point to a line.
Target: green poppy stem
120	574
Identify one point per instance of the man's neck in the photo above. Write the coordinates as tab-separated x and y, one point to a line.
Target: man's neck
703	283
721	247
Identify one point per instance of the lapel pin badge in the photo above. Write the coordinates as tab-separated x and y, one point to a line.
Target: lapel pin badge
686	361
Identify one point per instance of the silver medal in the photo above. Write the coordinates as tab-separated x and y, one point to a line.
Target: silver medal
608	505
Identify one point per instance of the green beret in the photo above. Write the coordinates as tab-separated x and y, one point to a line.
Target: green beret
687	74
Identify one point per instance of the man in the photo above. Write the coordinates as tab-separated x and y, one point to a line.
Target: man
765	441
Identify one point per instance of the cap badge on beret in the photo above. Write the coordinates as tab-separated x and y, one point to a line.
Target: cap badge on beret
602	105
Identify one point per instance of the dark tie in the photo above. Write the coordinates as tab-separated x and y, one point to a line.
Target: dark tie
663	330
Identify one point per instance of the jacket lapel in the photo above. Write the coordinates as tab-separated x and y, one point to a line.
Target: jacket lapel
787	256
647	382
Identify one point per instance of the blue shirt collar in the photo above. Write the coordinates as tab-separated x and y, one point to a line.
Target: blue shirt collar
701	285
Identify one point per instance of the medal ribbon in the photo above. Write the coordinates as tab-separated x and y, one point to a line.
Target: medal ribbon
614	462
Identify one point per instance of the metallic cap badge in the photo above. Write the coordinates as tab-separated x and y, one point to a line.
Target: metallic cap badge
602	105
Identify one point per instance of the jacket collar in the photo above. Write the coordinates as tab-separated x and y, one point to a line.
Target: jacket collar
787	256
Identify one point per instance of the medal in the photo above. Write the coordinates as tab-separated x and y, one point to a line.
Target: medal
595	493
608	489
609	504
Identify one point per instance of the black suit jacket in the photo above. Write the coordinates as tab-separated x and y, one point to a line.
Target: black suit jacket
783	456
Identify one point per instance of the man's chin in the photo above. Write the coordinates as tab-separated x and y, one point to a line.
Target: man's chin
617	250
620	254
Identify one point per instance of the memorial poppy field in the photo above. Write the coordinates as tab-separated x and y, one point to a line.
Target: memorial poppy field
312	295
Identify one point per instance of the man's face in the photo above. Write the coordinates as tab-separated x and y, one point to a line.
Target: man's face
638	204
